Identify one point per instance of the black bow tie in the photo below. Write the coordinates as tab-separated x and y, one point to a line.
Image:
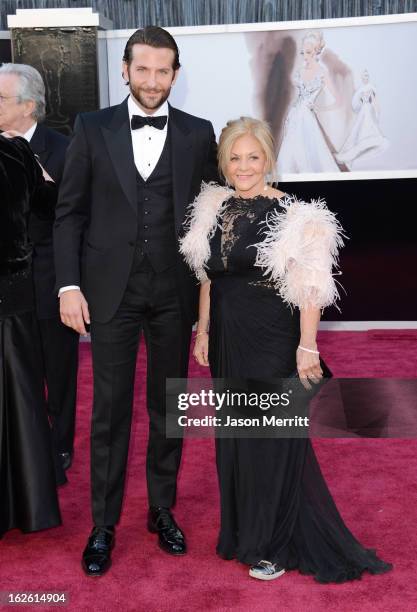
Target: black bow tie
138	122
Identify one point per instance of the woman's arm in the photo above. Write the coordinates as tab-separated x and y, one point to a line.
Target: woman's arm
375	104
299	252
200	351
44	197
42	189
308	364
334	92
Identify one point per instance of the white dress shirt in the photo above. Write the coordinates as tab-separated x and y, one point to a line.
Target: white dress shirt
28	135
147	142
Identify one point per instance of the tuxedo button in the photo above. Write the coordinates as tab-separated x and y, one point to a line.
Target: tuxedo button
145	227
146	212
146	199
145	240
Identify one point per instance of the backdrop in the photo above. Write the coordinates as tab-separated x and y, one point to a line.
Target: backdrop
356	119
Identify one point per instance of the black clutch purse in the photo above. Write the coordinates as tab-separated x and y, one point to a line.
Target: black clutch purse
293	385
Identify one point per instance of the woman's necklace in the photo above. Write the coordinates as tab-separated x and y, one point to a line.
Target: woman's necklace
264	191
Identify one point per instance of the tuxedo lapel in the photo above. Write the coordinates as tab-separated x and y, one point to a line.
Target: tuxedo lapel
118	140
182	163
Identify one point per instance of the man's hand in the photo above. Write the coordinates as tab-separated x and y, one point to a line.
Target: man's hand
73	308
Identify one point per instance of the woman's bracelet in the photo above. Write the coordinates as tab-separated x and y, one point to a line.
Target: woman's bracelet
308	350
201	333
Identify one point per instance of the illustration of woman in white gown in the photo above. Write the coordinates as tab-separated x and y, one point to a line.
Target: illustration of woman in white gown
365	136
305	147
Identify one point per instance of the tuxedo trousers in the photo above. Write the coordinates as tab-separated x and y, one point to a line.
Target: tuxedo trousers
150	304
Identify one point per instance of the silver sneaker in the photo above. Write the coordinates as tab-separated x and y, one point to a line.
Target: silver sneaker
265	570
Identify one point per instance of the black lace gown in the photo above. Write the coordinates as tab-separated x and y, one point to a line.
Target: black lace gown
275	504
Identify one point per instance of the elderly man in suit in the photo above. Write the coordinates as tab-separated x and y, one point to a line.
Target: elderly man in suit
22	110
131	171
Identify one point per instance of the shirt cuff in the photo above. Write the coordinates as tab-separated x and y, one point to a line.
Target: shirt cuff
67	288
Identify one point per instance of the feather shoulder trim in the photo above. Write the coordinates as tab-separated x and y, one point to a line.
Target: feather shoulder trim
299	252
200	224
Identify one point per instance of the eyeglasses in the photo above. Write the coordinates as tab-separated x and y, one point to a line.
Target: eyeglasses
3	98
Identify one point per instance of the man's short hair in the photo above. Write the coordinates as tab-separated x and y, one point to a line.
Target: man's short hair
31	87
153	36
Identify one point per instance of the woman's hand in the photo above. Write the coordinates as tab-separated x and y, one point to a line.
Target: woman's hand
46	176
16	134
308	366
12	134
200	350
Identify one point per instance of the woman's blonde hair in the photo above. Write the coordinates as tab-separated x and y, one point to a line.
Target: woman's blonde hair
236	128
316	38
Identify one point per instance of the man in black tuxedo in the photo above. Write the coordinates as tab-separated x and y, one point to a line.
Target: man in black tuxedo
131	171
22	110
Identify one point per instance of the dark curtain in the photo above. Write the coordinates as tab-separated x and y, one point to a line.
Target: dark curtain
137	13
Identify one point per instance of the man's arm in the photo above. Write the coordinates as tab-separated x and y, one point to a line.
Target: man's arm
72	209
72	215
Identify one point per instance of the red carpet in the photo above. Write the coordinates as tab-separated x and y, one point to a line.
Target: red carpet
374	483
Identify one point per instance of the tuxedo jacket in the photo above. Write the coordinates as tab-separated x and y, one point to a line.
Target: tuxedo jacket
97	212
50	147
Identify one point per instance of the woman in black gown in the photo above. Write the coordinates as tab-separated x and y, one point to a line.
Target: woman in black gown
28	498
265	262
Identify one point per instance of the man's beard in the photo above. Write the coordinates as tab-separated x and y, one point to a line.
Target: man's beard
140	95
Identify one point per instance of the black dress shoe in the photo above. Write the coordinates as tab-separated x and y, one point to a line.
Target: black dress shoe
171	538
66	460
97	554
